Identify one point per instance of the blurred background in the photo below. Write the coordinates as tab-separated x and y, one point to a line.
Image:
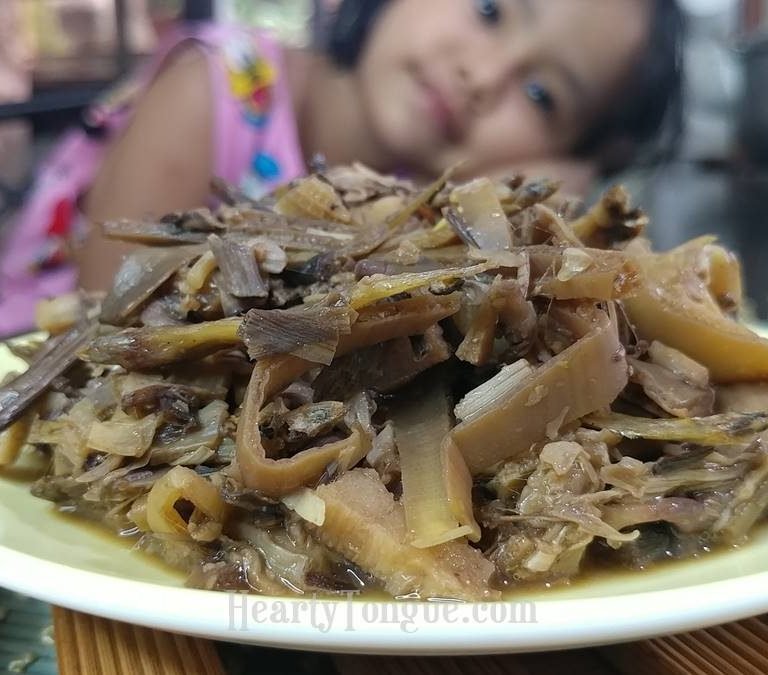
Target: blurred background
56	55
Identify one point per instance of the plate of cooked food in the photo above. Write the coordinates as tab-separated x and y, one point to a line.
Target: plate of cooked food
360	415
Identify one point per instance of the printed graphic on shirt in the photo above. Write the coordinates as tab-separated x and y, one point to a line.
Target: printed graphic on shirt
251	80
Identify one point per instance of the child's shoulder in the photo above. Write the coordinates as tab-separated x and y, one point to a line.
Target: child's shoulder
255	142
255	136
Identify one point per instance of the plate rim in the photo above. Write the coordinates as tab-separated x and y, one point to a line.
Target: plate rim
567	624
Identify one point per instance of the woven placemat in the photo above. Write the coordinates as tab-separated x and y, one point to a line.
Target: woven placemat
26	636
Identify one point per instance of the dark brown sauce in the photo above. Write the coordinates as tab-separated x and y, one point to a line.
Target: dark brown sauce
26	471
596	569
128	539
20	474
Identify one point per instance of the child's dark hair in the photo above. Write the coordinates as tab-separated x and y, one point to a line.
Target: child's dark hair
648	111
647	121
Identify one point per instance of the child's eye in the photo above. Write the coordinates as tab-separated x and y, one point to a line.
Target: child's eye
540	96
488	10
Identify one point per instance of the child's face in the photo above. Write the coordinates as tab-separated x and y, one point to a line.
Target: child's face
493	82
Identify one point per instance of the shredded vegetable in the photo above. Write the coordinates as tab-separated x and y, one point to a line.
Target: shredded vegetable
440	393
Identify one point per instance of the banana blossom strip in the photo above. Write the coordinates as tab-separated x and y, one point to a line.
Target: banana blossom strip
155	346
420	200
279	477
724	429
379	286
583	378
53	360
574	273
437	486
677	307
140	275
366	525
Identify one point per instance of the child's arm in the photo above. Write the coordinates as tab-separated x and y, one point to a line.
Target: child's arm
161	163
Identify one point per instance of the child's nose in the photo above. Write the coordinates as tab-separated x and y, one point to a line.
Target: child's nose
490	77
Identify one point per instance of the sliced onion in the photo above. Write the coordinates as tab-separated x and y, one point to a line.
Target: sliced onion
205	439
687	514
488	226
67	433
108	464
198	274
670	392
271	257
123	434
182	483
13	438
306	504
56	315
575	261
312	197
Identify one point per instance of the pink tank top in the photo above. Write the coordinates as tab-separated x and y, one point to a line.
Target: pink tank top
255	144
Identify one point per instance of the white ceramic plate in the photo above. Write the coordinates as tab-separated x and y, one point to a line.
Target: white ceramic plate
63	561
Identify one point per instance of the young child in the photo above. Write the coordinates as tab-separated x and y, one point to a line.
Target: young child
566	88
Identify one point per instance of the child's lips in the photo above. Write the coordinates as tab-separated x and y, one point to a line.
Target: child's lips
443	112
